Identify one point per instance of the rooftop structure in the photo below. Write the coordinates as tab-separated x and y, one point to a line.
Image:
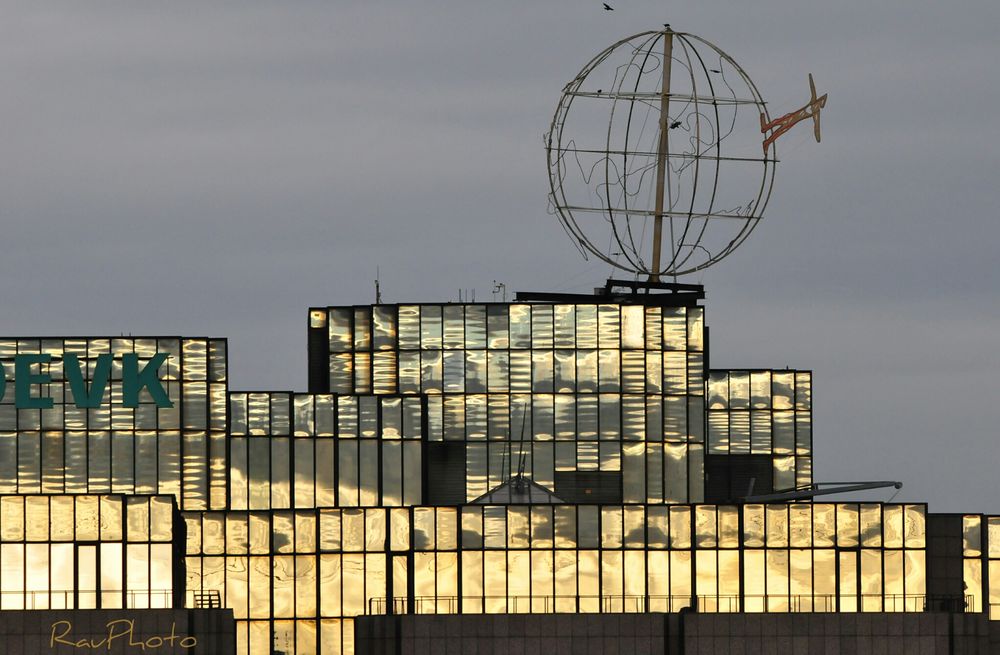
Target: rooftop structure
532	456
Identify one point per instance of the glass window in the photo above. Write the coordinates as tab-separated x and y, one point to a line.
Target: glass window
993	535
753	526
705	526
305	532
541	527
11	576
137	576
777	525
801	578
353	530
283	585
729	526
329	529
112	575
586	371
633	322
777	580
800	525
475	327
409	327
565	520
111	518
657	526
495	527
892	526
447	529
518	535
634	527
564	326
137	519
472	527
824	525
430	327
972	540
36	518
62	518
586	326
237	533
423	528
399	536
871	580
496	327
696	328
760	389
611	527
86	580
680	527
520	326
329	585
753	581
871	525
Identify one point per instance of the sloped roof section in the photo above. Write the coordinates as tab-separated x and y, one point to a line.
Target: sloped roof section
518	490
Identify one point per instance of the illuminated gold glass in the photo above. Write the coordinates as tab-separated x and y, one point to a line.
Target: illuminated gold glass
972	536
305	510
777	561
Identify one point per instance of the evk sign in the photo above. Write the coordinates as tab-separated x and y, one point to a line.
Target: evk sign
134	380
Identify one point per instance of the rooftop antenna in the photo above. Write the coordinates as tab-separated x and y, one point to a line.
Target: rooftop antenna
499	287
378	290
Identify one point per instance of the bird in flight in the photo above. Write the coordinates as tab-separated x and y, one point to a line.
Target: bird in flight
608	7
675	125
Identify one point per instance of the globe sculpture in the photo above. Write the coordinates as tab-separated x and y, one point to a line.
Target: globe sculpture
655	157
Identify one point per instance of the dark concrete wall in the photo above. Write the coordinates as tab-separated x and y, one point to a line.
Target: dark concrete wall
944	555
527	634
161	632
856	634
674	634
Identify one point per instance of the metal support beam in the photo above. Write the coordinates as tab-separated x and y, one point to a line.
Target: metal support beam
662	155
814	490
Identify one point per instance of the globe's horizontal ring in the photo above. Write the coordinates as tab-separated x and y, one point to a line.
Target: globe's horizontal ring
649	95
650	212
672	155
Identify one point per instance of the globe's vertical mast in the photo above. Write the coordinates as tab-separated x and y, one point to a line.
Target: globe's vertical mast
661	153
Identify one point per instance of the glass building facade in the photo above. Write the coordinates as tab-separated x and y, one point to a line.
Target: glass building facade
553	455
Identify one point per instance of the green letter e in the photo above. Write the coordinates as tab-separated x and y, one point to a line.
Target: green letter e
24	378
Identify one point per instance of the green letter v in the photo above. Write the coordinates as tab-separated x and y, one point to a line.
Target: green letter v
102	371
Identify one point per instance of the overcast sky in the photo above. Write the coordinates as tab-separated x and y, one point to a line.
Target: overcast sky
215	168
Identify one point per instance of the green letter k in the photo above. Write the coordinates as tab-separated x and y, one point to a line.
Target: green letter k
133	380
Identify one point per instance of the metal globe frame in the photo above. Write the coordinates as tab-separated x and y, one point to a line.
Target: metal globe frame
628	216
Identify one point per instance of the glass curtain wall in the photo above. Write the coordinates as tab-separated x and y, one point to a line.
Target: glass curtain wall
764	412
86	552
304	510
